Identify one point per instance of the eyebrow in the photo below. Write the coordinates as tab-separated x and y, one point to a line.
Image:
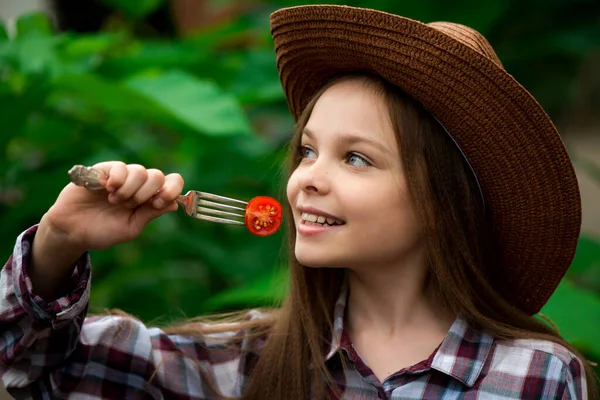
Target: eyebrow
351	138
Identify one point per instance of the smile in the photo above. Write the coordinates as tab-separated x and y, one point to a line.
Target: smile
320	220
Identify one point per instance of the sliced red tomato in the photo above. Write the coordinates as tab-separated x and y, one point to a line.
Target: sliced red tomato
263	216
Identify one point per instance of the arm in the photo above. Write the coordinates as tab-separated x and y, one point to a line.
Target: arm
574	381
51	350
52	262
26	318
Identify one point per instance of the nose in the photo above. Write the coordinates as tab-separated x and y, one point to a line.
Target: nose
313	179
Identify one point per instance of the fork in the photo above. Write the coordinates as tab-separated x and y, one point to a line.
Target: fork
199	205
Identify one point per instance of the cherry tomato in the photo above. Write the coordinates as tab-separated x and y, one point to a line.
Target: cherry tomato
263	216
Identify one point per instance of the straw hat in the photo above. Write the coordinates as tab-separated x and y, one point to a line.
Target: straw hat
525	174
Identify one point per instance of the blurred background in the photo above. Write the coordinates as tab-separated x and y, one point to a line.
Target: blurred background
191	86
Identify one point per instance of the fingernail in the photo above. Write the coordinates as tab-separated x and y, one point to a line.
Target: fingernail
158	203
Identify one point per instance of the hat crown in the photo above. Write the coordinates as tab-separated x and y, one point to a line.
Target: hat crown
469	37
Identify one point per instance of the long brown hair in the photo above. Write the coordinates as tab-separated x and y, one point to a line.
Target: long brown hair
461	260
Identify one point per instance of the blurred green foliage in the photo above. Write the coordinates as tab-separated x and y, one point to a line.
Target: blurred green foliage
179	106
212	109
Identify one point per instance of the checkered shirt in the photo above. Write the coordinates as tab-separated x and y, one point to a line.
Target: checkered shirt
54	350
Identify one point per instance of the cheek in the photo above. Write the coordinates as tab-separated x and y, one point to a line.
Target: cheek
389	211
292	189
401	216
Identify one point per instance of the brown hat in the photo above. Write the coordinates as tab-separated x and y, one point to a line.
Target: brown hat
525	174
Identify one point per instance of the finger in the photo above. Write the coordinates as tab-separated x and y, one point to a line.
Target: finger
154	182
136	177
173	186
116	172
146	213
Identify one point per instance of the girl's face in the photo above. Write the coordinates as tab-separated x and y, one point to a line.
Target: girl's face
350	181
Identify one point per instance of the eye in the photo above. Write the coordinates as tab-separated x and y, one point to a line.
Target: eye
306	152
357	161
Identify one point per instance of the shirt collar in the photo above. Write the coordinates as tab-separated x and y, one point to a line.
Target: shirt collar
338	321
461	355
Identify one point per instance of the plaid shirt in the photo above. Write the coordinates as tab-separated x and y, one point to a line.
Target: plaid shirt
51	350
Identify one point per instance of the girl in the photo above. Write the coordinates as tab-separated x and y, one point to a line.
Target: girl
432	212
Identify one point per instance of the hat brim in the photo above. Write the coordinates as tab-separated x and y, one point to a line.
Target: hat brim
527	179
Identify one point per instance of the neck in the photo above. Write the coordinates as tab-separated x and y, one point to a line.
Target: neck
390	299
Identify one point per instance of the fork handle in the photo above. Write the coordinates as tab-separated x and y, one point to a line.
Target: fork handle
89	177
93	179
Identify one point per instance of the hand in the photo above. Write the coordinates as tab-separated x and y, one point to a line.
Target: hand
95	220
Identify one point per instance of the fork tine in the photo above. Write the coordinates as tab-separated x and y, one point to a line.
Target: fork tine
204	210
220	206
222	199
193	205
218	220
220	203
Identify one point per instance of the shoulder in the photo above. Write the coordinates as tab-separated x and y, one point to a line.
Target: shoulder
244	332
546	349
541	367
120	329
223	351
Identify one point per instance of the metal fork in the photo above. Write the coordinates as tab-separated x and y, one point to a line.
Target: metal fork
195	204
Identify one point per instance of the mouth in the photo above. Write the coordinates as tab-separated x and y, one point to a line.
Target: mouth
310	219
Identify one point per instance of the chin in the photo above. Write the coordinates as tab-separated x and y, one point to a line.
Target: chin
316	260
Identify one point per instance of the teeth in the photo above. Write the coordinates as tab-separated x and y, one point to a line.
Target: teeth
321	219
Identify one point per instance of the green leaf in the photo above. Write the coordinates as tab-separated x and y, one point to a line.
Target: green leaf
257	79
149	286
35	54
3	32
135	8
91	45
74	91
140	56
216	35
200	104
16	111
266	290
35	23
576	312
585	269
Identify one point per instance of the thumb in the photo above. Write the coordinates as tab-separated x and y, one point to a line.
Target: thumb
146	213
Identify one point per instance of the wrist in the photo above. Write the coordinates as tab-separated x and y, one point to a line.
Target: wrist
54	251
57	238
